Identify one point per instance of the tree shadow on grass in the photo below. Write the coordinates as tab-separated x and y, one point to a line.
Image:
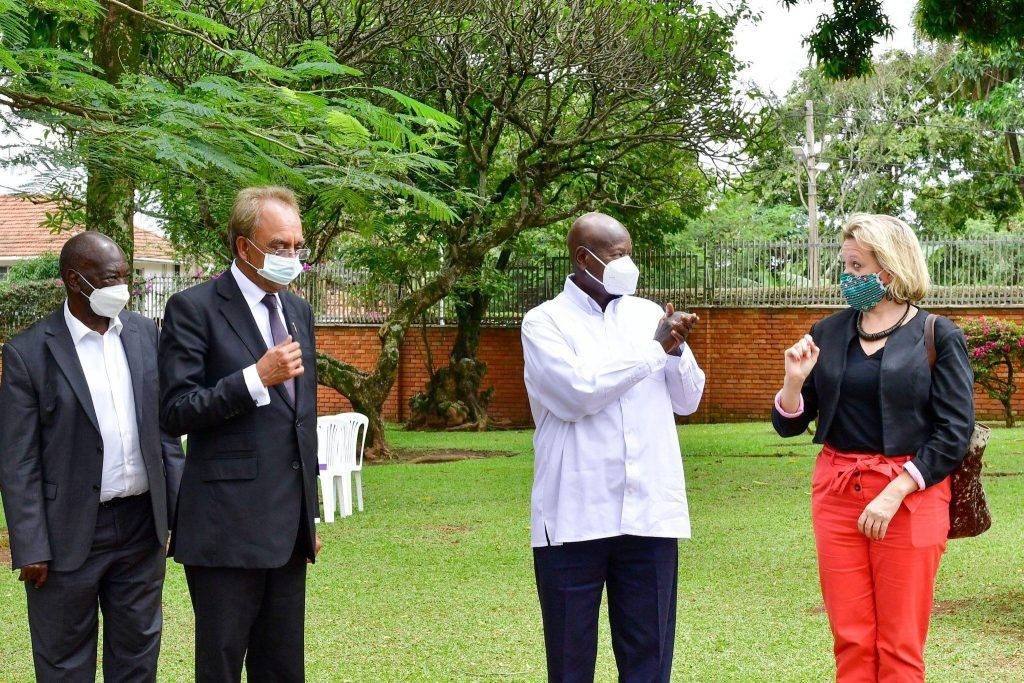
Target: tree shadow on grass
1001	612
431	456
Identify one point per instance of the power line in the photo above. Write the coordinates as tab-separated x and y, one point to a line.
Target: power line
795	115
918	164
921	124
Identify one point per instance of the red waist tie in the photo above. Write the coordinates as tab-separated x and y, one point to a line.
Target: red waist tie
846	464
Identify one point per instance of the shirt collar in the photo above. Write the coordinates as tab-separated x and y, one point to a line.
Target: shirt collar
79	330
252	292
582	299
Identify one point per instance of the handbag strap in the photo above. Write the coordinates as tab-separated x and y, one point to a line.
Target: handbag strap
929	338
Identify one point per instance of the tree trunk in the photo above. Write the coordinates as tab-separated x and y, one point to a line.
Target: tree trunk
371	390
368	391
1008	412
110	207
363	391
1011	389
454	397
110	193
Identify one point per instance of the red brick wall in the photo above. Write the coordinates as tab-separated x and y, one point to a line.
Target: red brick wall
740	350
500	348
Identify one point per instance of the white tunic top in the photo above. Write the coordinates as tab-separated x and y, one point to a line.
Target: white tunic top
603	392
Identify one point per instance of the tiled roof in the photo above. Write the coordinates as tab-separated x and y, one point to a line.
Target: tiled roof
23	232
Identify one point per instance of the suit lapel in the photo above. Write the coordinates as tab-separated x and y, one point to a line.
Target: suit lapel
236	310
62	348
132	345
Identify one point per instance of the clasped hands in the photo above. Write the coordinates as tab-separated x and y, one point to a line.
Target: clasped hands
674	328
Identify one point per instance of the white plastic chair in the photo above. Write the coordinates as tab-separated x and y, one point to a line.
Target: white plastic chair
342	439
324	426
352	437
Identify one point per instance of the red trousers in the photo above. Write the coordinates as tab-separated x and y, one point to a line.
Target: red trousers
878	594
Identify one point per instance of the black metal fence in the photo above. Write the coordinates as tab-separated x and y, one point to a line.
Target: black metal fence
964	273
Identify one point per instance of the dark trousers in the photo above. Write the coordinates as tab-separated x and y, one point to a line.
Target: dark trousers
251	616
123	576
641	576
254	616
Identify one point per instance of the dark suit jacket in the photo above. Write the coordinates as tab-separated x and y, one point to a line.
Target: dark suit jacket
51	451
925	411
250	472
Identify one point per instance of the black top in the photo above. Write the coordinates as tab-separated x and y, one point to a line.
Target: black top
925	411
857	426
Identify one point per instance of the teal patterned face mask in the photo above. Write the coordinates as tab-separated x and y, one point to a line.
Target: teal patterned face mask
862	292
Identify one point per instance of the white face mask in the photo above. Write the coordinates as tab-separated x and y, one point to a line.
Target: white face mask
620	275
278	269
107	302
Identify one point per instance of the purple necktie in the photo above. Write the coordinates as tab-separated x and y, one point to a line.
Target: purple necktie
279	334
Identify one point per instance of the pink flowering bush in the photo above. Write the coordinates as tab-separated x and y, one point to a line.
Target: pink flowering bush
996	349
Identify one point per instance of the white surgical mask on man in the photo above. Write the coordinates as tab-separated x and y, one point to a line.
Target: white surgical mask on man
107	302
620	275
278	269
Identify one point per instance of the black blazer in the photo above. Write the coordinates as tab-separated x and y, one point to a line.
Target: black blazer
249	472
51	451
929	412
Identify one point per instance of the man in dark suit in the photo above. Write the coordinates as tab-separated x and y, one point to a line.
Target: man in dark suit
237	370
88	482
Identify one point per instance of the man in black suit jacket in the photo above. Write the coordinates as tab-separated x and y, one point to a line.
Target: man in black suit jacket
88	481
237	371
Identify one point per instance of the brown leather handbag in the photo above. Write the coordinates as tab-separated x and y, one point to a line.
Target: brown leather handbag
968	509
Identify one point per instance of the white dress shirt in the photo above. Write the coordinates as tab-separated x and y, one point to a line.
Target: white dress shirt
110	386
261	314
602	393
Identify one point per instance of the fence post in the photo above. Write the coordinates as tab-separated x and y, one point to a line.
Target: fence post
708	294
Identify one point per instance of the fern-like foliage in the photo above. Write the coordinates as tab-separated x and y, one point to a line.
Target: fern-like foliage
307	122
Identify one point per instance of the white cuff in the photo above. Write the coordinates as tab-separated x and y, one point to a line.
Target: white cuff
260	394
783	413
686	355
915	474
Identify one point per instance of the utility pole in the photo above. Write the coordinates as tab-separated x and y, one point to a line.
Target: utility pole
807	154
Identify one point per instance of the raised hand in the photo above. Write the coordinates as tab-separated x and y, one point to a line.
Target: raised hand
280	363
801	358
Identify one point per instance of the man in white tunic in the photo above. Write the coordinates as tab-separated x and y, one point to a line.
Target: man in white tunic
605	371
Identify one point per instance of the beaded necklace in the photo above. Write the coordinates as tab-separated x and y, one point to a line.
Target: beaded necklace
875	336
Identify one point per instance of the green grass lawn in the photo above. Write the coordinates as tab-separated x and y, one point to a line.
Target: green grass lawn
434	581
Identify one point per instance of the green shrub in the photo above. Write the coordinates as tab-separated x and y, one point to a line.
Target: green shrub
23	303
43	267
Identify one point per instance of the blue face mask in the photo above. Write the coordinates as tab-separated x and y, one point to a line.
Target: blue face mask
862	292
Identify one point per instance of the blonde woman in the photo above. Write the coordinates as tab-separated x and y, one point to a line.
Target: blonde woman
893	429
